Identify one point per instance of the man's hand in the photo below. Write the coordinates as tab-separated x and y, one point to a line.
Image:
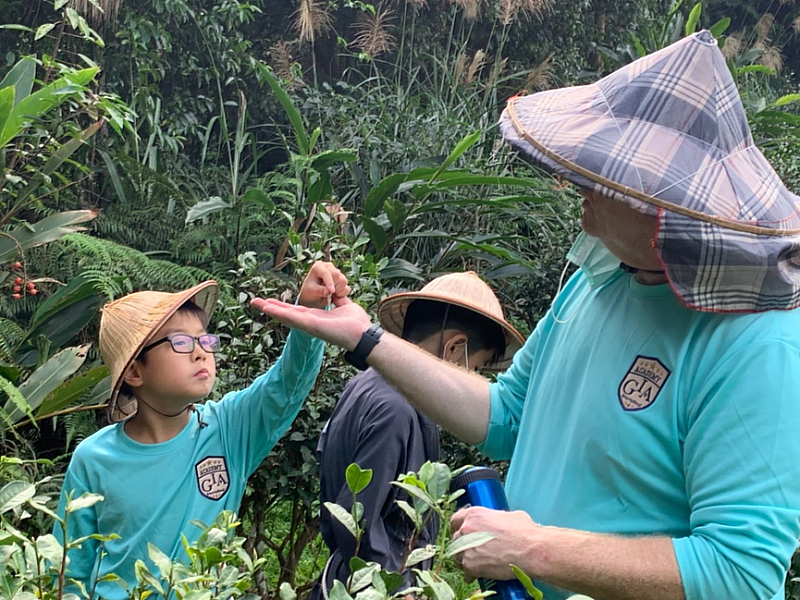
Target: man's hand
324	282
342	325
514	532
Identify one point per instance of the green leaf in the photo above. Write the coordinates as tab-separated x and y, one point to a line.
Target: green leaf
322	161
48	546
356	564
392	581
206	207
694	19
72	391
47	230
377	234
398	268
465	144
344	517
787	99
15	494
363	577
144	576
412	514
465	542
286	592
58	329
339	592
294	115
420	554
6	104
532	590
113	173
320	189
416	492
52	374
86	500
257	196
720	27
357	478
315	135
396	212
59	4
435	587
77	289
43	30
213	556
20	76
16	402
439	483
44	100
16	27
378	195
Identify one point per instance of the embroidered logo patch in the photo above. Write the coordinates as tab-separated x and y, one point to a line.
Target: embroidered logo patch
642	383
212	477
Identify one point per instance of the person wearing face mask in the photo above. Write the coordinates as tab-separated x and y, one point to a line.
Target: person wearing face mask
455	317
651	418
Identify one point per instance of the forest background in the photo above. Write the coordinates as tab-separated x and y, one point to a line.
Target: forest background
151	144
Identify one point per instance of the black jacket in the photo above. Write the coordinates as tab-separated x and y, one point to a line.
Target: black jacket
375	427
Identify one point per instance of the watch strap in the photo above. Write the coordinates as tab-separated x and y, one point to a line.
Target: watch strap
369	339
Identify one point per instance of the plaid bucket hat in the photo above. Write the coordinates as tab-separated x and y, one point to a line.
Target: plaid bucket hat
466	290
668	135
129	323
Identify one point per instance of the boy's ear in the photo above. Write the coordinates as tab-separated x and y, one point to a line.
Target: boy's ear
133	376
454	347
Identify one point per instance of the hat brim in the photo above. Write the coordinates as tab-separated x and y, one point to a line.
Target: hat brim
392	317
204	295
577	145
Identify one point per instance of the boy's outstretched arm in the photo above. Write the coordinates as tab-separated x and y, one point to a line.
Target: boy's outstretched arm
456	399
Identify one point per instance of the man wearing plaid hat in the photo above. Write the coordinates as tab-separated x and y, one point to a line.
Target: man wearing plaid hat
652	418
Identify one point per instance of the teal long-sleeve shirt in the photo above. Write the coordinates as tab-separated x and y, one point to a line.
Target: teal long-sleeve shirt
153	491
639	416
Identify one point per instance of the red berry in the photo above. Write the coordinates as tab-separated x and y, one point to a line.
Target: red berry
33	292
18	281
16	296
16	289
31	285
17	265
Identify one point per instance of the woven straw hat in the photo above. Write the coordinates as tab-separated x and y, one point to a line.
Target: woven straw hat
668	135
128	324
466	290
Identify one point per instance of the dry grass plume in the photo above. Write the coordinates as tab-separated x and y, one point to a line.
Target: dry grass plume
373	32
311	19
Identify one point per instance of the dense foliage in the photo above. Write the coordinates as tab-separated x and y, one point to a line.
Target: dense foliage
154	143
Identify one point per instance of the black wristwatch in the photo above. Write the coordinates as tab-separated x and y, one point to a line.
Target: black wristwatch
369	339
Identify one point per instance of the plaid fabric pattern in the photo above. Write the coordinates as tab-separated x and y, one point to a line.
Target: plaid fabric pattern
668	135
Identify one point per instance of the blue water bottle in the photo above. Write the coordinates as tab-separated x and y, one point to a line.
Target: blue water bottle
482	487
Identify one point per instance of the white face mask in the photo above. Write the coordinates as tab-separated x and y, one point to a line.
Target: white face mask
590	254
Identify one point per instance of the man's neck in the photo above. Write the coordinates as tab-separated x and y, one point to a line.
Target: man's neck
148	427
650	277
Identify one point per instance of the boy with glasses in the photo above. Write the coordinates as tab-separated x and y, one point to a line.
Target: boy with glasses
158	468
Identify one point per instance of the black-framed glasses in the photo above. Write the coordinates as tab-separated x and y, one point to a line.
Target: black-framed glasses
183	343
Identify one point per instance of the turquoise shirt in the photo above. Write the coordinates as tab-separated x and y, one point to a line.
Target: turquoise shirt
153	491
638	416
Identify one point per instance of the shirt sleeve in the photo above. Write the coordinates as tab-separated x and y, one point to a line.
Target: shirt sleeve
507	398
82	560
743	476
382	446
256	417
